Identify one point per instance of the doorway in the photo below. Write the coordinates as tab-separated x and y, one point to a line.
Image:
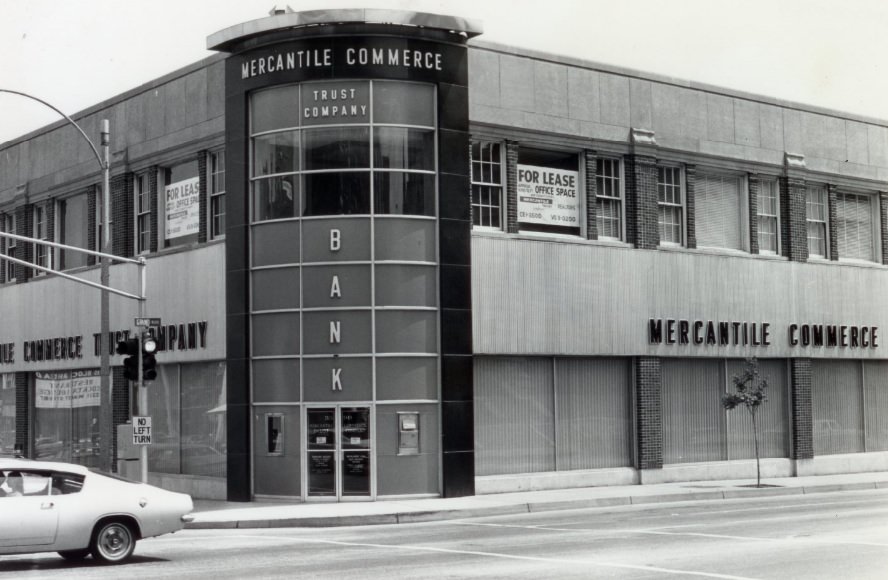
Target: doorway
338	453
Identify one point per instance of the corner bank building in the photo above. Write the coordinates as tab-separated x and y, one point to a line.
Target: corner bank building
393	260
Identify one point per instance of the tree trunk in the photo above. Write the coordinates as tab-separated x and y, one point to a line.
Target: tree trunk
758	466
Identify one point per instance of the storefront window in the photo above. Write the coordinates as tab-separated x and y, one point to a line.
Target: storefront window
315	159
66	416
187	407
7	413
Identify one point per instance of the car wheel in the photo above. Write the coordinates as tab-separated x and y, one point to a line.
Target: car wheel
112	542
74	554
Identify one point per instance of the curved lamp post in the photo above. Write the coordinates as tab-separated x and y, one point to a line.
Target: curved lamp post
104	373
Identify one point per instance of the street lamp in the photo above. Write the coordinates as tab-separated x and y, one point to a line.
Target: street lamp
104	161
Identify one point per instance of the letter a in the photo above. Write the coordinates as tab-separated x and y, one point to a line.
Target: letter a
335	334
337	383
335	292
335	240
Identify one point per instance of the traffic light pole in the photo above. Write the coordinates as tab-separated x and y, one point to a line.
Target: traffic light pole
143	394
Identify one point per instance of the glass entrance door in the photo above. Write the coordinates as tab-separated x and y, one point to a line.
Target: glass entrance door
338	453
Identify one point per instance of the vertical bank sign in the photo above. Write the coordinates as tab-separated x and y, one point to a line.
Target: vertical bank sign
548	196
182	208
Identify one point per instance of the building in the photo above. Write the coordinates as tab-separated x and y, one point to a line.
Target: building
393	260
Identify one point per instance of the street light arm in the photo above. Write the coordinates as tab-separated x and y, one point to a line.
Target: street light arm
67	118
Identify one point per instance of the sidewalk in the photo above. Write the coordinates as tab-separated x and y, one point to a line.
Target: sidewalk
210	514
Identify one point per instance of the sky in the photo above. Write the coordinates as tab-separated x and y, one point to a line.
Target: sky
826	53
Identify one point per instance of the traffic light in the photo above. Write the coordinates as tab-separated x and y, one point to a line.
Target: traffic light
130	348
149	363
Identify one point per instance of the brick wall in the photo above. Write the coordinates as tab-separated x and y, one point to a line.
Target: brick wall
92	201
794	233
511	187
122	215
642	227
120	407
802	410
691	205
755	185
203	227
833	217
24	222
883	225
648	413
22	408
591	167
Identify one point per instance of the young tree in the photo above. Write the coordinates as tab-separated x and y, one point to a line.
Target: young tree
749	391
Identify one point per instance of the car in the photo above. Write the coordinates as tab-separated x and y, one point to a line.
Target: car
77	512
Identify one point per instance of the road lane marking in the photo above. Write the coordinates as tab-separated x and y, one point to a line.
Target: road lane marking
763	539
511	557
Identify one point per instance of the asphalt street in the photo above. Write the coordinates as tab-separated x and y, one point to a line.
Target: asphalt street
828	535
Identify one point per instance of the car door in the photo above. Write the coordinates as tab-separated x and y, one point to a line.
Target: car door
29	513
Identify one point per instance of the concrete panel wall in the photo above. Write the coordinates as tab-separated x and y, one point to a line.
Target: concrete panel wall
530	91
550	297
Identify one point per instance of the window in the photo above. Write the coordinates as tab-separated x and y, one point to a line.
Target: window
817	217
181	204
7	413
720	211
41	251
609	176
324	157
73	228
8	224
856	226
217	194
768	217
548	191
487	185
671	206
143	213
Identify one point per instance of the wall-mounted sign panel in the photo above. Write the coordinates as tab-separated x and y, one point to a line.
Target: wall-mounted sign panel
548	196
182	201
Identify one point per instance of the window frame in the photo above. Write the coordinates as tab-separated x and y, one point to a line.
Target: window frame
42	254
142	191
809	188
873	200
620	178
500	187
771	182
743	218
682	205
59	227
9	226
215	198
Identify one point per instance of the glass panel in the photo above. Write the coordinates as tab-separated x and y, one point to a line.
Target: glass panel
275	109
335	103
275	198
74	228
165	411
693	418
321	431
203	413
274	434
355	473
403	103
337	193
337	148
355	428
402	148
404	193
837	400
7	413
276	153
771	418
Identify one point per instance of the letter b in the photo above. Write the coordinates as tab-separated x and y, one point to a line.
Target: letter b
335	240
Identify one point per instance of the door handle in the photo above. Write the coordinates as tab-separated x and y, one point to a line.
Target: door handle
47	505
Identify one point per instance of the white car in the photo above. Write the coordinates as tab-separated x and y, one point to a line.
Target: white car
65	508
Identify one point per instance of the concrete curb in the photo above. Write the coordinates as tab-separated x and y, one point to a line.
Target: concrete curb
412	517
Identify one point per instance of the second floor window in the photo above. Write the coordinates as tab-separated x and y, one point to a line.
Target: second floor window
487	185
720	211
8	224
671	206
73	229
41	251
817	218
856	229
217	194
609	200
768	217
142	196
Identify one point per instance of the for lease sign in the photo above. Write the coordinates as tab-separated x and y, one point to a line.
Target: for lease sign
548	196
182	208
